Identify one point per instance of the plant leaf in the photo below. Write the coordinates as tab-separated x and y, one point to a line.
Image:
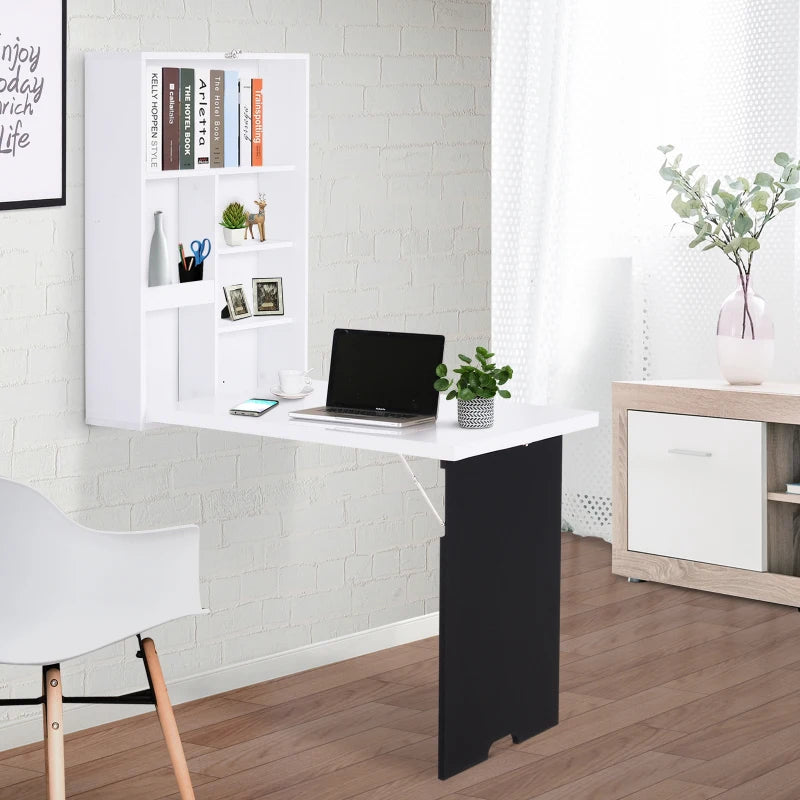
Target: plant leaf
451	395
680	206
742	223
667	173
442	384
782	159
441	371
759	201
750	244
783	206
791	194
504	393
665	148
764	179
465	359
697	240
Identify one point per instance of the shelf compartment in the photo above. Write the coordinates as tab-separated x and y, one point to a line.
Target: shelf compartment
251	246
179	295
251	323
153	175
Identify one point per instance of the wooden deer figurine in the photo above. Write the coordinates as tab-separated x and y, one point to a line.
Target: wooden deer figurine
257	219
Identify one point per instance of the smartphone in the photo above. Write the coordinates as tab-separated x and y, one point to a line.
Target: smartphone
254	407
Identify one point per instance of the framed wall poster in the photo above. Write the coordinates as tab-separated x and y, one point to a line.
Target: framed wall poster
33	83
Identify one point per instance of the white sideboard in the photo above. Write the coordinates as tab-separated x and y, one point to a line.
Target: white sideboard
700	474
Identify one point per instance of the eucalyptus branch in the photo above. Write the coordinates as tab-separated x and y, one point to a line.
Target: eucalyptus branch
731	219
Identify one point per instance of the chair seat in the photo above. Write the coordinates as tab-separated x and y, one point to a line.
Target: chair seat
75	640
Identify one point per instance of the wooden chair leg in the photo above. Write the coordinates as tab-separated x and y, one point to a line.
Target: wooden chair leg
54	734
167	719
44	723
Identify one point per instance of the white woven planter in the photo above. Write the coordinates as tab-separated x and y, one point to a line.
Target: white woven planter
477	413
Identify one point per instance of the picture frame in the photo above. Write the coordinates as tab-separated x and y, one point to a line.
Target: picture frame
267	297
33	99
236	299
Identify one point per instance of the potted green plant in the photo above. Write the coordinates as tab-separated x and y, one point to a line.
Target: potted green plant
732	220
234	223
476	386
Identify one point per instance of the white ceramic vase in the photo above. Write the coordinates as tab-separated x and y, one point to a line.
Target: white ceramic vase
234	237
159	273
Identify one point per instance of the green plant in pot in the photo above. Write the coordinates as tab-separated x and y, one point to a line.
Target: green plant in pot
234	224
478	381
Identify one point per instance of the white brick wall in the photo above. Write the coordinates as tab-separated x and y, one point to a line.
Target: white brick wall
299	543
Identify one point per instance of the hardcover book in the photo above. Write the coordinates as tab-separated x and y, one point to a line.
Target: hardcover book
217	118
258	123
187	119
245	121
154	120
170	112
202	110
231	111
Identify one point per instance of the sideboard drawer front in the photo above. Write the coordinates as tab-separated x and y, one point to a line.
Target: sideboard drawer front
697	488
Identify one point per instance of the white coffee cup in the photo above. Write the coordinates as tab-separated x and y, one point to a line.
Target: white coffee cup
293	381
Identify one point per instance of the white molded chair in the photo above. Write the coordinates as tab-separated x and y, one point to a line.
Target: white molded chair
66	590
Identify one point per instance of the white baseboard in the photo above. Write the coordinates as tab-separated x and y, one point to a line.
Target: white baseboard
225	679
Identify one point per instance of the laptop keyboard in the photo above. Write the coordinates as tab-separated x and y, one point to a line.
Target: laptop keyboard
361	412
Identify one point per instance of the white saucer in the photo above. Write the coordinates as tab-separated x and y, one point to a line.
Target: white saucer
276	390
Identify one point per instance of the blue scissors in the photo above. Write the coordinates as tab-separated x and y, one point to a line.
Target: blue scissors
201	251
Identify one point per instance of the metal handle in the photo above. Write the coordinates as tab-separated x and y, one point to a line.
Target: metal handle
700	453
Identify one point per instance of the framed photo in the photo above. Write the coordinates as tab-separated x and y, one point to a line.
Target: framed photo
267	297
33	90
237	301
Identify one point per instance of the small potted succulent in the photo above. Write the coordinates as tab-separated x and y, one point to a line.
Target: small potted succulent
476	386
234	224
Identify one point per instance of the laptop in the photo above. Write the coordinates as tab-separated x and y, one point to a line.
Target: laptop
380	378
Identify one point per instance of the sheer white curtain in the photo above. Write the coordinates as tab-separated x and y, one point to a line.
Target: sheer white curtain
588	284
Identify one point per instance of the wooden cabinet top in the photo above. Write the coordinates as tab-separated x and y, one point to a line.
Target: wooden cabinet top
769	402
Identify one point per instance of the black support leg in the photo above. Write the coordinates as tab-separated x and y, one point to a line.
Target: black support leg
499	616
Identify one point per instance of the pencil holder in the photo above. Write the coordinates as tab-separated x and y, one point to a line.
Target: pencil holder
193	273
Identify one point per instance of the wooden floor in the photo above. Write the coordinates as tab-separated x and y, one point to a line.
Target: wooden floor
666	693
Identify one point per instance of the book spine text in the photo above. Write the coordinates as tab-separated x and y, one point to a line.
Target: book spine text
217	118
245	122
170	118
187	118
154	121
202	109
258	123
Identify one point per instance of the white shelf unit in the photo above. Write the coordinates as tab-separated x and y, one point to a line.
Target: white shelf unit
149	347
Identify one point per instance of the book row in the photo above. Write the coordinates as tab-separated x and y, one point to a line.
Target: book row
200	118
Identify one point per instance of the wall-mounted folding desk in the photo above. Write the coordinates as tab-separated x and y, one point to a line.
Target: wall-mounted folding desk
500	560
162	355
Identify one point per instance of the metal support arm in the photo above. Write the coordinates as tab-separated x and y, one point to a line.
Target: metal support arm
422	489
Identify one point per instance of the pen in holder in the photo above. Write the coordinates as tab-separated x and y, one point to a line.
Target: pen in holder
191	272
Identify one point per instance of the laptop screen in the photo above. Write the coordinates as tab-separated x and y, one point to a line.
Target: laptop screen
386	371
